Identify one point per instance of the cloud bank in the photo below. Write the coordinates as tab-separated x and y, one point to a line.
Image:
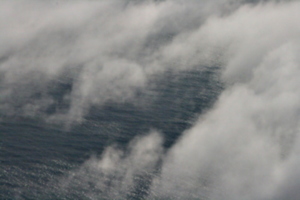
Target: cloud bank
245	147
91	51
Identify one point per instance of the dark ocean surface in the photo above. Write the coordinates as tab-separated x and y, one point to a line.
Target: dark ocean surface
149	100
36	155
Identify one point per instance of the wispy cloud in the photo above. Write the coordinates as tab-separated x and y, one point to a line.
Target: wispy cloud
102	50
73	39
246	147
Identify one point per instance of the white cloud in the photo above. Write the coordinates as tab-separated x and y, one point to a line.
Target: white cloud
47	42
118	173
104	49
246	147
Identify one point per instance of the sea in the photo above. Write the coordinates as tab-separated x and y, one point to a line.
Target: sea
149	100
36	156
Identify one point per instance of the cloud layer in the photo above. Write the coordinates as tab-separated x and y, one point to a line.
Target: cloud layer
245	147
90	51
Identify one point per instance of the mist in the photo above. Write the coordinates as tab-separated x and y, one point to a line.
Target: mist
95	51
245	146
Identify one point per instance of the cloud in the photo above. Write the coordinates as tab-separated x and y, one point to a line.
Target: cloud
118	174
90	51
245	147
